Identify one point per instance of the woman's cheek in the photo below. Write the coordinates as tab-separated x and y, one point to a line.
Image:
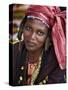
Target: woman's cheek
26	35
41	40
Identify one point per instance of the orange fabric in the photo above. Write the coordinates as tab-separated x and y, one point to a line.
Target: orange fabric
31	68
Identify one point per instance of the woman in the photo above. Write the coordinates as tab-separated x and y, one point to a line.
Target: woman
42	57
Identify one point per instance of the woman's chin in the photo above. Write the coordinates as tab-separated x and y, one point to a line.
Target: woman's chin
31	48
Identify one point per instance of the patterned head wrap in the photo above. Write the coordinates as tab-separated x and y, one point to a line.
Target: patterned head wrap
54	18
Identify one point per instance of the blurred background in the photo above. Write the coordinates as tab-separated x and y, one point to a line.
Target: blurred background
16	14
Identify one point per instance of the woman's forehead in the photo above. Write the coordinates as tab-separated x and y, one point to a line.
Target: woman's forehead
36	22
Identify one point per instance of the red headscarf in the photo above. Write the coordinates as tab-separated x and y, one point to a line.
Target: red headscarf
55	18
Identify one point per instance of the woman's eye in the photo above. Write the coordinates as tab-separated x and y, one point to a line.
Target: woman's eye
40	33
27	28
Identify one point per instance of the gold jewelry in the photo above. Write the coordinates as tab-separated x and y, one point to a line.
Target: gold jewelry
36	71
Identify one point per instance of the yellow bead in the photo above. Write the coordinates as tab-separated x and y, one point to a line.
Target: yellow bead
22	68
21	78
44	81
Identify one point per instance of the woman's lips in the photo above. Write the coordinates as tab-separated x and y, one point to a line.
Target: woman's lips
31	43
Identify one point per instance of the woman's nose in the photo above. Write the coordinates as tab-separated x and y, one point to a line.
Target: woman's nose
33	35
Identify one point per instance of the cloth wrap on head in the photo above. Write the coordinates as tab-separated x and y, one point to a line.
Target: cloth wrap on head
55	19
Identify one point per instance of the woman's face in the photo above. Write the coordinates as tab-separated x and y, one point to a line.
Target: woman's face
35	34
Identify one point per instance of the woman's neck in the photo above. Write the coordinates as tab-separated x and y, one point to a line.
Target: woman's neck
33	57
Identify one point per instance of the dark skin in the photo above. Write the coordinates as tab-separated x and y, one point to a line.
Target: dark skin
35	35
